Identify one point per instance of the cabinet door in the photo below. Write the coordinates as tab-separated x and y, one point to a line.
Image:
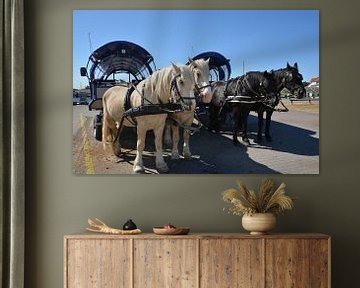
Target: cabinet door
231	263
98	263
166	263
320	263
288	263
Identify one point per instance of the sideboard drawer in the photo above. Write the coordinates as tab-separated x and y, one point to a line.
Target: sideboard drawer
98	263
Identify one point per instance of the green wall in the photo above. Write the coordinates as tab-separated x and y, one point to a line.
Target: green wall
58	202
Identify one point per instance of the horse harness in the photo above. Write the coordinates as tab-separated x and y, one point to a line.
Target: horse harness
260	97
154	109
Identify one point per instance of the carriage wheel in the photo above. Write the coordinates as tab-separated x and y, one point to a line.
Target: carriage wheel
98	127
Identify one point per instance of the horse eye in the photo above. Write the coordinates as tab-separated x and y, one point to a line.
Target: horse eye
181	82
198	74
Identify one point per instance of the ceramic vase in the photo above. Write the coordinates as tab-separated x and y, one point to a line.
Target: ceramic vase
259	223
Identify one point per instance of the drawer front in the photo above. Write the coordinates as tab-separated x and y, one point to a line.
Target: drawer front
98	263
231	263
165	263
297	263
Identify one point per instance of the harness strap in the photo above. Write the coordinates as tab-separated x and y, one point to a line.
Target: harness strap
174	87
127	102
198	89
285	109
190	129
251	89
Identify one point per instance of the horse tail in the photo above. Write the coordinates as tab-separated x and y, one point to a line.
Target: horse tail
110	131
108	123
105	128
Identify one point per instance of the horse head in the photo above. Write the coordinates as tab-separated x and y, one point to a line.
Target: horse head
293	80
182	86
201	72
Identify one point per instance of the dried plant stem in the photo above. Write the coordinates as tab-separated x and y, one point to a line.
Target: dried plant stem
101	227
245	201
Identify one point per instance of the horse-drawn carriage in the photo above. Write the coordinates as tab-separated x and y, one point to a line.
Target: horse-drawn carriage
115	63
125	63
125	84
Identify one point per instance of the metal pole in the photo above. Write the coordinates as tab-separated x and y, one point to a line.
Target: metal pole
90	45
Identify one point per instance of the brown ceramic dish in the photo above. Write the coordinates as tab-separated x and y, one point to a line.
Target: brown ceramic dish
171	231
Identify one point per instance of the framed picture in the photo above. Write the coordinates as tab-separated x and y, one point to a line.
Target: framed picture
158	91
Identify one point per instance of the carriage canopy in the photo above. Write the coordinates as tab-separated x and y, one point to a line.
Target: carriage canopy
120	57
116	63
220	68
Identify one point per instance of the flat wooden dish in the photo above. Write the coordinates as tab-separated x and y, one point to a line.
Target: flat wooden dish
171	231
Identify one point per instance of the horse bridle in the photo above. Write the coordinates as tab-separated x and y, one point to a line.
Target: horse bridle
198	89
175	89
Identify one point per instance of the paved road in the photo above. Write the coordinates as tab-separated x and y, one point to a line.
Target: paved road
294	149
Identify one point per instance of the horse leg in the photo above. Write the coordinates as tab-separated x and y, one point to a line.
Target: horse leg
260	124
236	124
140	145
244	117
267	125
214	124
186	147
175	142
167	135
160	162
115	144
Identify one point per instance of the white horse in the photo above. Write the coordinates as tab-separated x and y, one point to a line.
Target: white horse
200	70
173	84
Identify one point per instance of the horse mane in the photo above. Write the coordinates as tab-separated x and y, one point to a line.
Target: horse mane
254	78
157	85
199	63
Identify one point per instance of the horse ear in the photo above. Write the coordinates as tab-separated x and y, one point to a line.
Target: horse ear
266	73
288	65
207	60
192	63
296	66
176	68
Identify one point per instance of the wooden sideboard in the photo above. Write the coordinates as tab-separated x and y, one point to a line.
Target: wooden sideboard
197	260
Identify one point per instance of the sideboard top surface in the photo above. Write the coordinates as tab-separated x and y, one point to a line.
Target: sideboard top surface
89	235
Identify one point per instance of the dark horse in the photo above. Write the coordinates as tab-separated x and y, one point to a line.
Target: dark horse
288	77
254	89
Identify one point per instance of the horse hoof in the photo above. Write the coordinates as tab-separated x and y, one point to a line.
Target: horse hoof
258	139
139	170
163	169
246	141
187	156
268	138
236	142
117	151
175	156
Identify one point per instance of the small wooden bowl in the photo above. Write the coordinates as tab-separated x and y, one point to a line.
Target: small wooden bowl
171	231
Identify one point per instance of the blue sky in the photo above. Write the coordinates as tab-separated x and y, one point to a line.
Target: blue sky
263	39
